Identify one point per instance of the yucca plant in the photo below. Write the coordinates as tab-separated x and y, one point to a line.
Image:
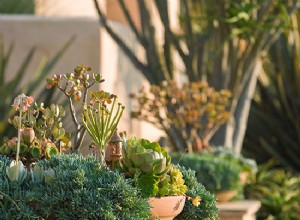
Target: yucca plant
274	126
10	89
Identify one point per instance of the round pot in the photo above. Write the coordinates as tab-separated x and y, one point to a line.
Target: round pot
244	177
166	208
226	196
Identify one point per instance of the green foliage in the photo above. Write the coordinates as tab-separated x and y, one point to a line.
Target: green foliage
246	164
75	86
41	133
189	115
148	163
172	184
220	42
17	6
215	173
278	191
207	209
100	121
274	125
82	188
10	89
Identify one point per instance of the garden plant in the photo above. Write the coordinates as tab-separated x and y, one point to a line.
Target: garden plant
221	42
54	185
150	166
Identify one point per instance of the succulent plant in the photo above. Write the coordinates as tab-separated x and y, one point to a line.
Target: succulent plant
75	86
16	171
172	184
101	117
150	166
40	174
40	131
189	114
145	157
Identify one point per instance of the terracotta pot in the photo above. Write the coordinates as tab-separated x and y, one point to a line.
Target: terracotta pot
226	196
166	208
244	177
27	135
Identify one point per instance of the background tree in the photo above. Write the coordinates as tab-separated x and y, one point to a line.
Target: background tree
274	126
219	41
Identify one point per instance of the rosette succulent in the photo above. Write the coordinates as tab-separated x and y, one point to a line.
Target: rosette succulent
150	165
145	157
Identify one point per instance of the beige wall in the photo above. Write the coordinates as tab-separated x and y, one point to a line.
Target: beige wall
48	35
59	20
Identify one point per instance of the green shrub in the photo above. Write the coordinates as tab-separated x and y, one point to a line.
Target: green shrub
82	189
278	191
246	164
215	173
207	209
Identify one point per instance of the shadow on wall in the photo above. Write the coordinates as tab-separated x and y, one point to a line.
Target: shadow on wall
122	78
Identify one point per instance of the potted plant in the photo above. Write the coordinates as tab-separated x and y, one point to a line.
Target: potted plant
218	175
150	166
248	167
70	186
62	187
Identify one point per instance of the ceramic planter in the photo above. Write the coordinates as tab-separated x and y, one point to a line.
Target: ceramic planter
244	177
226	196
166	208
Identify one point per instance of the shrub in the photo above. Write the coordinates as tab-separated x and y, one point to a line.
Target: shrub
278	191
207	209
82	189
215	173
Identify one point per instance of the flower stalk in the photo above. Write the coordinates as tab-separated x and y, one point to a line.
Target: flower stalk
20	101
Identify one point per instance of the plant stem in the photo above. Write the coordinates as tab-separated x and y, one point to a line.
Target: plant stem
19	127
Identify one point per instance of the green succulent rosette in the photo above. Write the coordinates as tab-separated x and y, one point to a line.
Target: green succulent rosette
147	162
145	157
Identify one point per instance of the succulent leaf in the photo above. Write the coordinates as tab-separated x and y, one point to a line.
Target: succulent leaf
38	173
16	171
49	175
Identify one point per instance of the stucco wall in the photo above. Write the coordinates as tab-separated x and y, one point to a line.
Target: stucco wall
48	35
91	47
57	21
